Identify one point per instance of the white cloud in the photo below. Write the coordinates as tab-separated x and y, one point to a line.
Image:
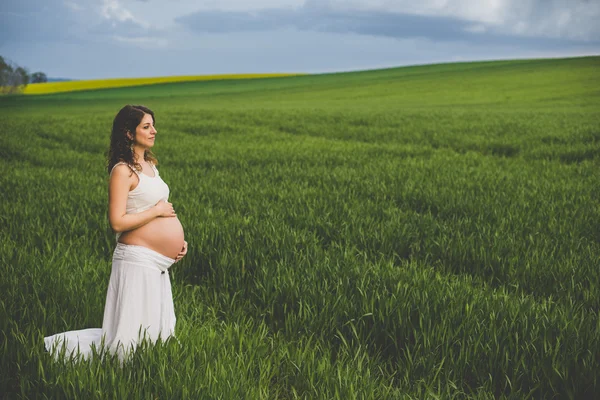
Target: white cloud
113	10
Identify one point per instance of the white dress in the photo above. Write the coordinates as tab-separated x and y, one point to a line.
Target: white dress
139	301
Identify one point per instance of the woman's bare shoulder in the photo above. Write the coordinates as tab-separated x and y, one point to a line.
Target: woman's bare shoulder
122	168
123	172
122	176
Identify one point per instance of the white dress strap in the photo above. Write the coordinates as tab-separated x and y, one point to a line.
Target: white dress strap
121	162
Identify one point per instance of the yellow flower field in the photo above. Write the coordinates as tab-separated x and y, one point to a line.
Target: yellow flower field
69	86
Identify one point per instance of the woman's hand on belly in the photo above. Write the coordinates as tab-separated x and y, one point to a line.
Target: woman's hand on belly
165	209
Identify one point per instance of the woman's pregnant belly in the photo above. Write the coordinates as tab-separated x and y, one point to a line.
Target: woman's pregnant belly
163	235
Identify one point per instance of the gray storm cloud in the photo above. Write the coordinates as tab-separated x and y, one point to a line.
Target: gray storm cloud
511	22
566	19
330	17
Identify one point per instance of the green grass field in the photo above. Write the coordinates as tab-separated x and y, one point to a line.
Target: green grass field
408	233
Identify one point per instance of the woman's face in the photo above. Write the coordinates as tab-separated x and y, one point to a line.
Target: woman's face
145	132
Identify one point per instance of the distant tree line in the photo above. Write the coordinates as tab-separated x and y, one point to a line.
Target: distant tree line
14	78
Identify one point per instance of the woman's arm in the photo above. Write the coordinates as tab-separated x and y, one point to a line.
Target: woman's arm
118	190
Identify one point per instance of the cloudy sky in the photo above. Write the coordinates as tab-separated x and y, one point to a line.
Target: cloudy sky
90	39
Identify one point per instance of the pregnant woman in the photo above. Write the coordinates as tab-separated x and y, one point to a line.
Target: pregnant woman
150	239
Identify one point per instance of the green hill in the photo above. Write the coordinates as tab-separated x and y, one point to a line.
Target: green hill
545	82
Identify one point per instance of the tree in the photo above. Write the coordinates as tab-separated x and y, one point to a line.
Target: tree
5	72
13	78
38	77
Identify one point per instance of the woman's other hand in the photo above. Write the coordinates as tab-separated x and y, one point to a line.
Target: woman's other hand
183	251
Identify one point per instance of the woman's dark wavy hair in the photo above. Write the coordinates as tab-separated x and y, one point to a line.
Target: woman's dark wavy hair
127	119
